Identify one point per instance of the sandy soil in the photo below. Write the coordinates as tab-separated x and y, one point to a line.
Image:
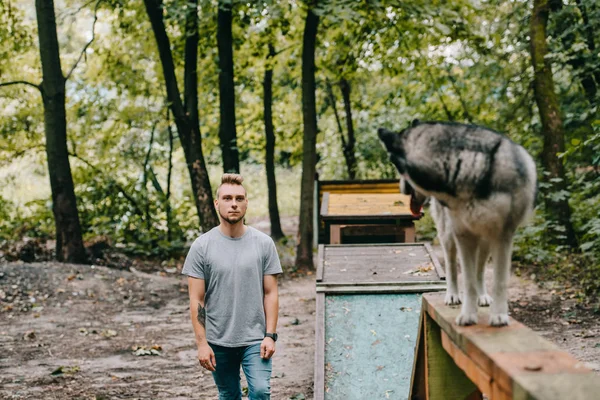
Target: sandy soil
72	332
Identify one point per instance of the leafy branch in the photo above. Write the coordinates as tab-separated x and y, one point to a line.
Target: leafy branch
89	42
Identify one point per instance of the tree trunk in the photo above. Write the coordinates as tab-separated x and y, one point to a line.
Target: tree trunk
333	102
276	231
578	63
589	38
556	208
169	174
69	242
227	133
186	118
349	147
304	254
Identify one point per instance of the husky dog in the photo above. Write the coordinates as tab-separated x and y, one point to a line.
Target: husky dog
483	186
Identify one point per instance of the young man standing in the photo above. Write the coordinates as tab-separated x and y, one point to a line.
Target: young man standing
232	276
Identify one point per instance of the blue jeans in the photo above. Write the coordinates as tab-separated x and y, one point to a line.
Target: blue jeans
227	374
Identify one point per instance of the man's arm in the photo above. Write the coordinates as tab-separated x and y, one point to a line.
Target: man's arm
197	290
271	305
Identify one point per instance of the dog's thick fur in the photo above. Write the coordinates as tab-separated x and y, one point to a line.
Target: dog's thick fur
482	186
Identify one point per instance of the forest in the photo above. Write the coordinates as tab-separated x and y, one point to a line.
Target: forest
119	117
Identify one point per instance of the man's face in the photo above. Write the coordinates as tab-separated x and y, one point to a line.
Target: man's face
232	203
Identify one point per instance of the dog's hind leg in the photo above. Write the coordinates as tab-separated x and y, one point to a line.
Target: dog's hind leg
483	254
449	247
467	249
501	254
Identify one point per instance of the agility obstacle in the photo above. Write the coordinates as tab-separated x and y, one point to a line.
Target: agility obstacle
383	331
362	211
368	312
512	362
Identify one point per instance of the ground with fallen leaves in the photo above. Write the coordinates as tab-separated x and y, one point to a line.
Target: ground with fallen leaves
93	332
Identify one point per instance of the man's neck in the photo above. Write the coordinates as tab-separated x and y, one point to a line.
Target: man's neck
233	230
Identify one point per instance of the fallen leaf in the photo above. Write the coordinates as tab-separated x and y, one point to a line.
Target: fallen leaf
108	333
65	370
29	335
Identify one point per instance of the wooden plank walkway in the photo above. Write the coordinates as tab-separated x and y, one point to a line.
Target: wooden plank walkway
512	362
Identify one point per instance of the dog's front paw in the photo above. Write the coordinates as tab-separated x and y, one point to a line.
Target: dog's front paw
499	319
452	299
484	300
466	319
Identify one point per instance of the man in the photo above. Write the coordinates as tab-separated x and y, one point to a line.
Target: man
232	276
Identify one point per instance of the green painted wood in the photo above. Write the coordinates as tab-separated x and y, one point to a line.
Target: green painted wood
370	345
445	380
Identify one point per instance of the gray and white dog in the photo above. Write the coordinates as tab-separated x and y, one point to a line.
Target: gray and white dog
482	186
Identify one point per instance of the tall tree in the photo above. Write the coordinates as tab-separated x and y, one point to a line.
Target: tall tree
276	231
304	254
185	113
227	132
348	145
565	19
556	200
69	243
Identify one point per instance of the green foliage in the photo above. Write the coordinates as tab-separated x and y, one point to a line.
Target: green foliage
456	60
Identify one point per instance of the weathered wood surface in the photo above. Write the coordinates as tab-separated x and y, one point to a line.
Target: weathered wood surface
361	186
371	204
396	263
511	362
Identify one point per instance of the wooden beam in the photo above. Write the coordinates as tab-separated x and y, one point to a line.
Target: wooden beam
436	262
320	261
319	384
335	235
511	362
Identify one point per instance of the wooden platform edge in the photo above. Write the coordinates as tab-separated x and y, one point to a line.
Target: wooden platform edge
379	289
320	261
319	380
436	262
324	211
512	362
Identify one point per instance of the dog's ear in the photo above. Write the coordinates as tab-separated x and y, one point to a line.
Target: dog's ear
387	137
414	123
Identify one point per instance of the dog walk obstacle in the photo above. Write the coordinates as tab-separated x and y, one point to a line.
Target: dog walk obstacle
362	211
368	312
513	362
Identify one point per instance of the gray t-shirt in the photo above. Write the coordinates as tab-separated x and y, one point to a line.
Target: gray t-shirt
233	271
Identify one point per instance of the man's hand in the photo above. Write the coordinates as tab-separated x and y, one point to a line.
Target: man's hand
267	348
206	356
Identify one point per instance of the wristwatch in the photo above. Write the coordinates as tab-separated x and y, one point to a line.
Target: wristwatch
272	336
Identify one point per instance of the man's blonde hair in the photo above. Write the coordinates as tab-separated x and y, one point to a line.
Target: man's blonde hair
231	179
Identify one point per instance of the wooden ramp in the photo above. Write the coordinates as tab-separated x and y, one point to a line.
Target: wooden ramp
368	311
513	362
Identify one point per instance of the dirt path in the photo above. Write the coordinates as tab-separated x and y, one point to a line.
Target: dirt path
69	332
88	321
